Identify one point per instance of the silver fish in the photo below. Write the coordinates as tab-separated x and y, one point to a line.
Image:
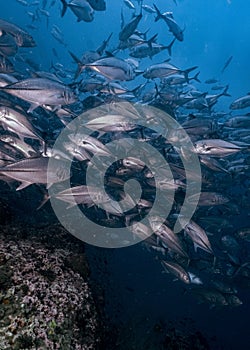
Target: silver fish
163	70
35	170
16	121
129	28
240	103
41	91
27	150
198	236
145	50
176	270
98	5
208	199
129	4
81	9
148	9
8	45
21	37
174	28
169	239
89	143
113	68
216	147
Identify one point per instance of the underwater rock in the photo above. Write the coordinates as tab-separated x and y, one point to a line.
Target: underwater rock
44	303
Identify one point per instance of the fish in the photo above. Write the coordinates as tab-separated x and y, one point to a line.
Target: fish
148	9
217	148
16	121
210	295
22	2
211	254
129	28
34	170
194	279
81	9
98	5
6	66
176	270
129	4
228	61
244	233
240	103
174	28
82	195
6	79
59	37
208	199
20	145
232	248
169	239
211	81
102	48
116	123
198	236
41	91
146	50
21	37
237	122
179	79
111	67
8	45
89	143
163	70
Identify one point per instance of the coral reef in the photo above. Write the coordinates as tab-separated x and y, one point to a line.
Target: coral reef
45	299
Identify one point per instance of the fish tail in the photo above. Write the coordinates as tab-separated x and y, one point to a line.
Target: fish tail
65	5
159	15
187	71
169	47
196	77
225	92
79	64
152	40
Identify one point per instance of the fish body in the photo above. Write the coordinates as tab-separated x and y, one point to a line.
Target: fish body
113	68
21	37
19	145
129	4
6	65
164	70
145	50
198	236
174	28
176	270
168	237
148	9
240	103
208	199
8	45
41	91
81	9
34	170
216	147
15	121
211	296
129	28
98	5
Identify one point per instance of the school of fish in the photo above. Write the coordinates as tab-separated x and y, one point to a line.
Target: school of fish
211	255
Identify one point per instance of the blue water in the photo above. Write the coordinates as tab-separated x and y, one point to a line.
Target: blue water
214	30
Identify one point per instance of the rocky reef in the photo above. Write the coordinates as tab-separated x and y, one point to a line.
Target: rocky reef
45	298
